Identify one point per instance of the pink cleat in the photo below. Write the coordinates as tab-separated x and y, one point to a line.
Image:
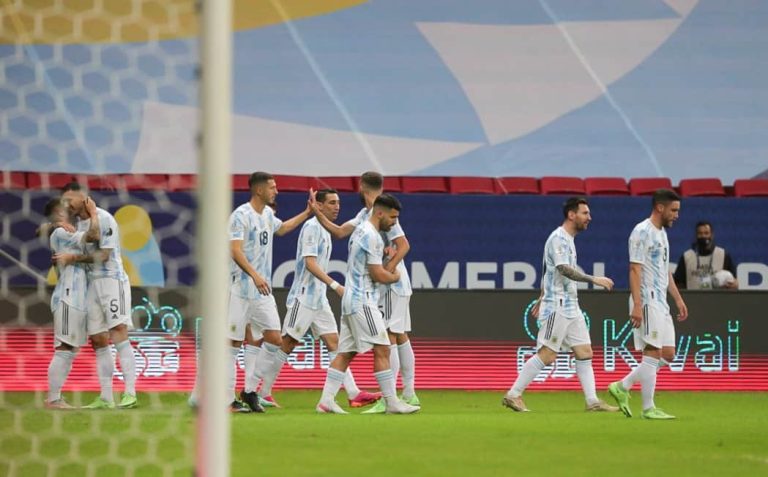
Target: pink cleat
364	398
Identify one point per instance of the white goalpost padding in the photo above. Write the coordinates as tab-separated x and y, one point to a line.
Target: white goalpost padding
214	207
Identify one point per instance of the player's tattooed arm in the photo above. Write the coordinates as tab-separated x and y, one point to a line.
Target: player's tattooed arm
578	276
574	274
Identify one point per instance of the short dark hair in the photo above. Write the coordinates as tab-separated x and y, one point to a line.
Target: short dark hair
51	205
74	185
664	196
323	193
572	205
387	201
372	180
259	177
703	223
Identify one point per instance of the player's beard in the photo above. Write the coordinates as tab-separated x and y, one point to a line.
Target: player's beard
362	198
273	205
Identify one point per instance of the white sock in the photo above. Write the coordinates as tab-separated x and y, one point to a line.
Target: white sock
252	356
105	368
232	368
349	380
407	368
127	365
275	365
394	361
587	379
58	370
265	361
530	370
648	380
333	380
386	380
631	378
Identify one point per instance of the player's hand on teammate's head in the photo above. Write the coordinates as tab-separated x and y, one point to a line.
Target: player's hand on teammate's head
90	206
604	282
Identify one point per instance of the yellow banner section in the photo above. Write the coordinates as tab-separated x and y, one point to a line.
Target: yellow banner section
123	21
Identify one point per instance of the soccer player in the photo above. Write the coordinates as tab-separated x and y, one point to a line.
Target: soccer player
307	302
251	229
394	299
108	301
561	323
649	282
362	325
69	296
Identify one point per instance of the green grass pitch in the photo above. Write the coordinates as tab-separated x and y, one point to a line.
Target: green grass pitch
457	433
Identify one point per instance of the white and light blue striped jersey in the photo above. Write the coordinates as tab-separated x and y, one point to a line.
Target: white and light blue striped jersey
365	248
314	241
403	286
560	293
649	246
256	231
109	238
72	284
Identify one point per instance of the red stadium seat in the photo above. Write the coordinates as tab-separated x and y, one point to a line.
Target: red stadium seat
50	181
240	182
13	180
391	184
606	186
144	181
648	185
702	188
750	188
182	182
519	185
562	185
413	184
472	185
295	183
106	182
340	183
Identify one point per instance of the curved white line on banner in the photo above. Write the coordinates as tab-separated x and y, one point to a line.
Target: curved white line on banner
167	145
520	78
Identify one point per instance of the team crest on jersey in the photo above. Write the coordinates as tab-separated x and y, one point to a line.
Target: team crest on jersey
654	334
554	339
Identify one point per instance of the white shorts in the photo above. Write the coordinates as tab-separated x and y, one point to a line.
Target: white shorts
559	333
301	318
108	304
361	330
396	310
657	328
261	314
69	326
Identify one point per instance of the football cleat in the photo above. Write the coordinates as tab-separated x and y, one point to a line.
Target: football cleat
251	400
400	407
59	404
656	413
128	401
621	396
268	401
600	406
413	400
379	408
239	407
329	407
514	403
100	403
364	398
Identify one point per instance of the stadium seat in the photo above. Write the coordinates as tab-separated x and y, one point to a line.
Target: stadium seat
413	184
562	185
295	183
750	188
240	182
340	183
13	180
50	181
471	185
182	182
144	181
391	184
606	186
710	187
648	185
518	185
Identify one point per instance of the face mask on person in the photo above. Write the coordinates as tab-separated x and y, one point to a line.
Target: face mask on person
703	244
